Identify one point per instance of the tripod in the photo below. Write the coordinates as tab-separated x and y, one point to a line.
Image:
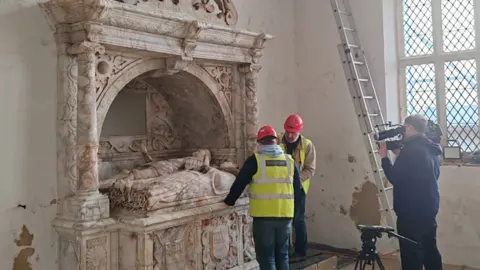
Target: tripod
369	255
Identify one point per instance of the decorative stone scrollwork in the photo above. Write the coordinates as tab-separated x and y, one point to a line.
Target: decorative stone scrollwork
250	72
224	9
121	144
219	241
67	123
176	248
96	254
223	76
109	66
134	2
247	238
161	130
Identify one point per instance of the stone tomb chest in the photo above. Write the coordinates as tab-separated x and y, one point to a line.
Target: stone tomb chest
157	108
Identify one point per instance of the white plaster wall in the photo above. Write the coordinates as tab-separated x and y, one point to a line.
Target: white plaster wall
459	217
328	112
28	104
278	92
27	117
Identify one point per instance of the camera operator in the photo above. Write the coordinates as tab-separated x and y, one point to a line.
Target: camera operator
414	177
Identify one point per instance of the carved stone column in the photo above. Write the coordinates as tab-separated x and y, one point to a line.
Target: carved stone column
66	118
86	233
250	74
87	204
87	140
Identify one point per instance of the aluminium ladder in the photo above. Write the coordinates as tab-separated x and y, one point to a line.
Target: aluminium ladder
362	90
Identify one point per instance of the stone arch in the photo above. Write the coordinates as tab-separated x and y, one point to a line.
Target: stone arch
104	102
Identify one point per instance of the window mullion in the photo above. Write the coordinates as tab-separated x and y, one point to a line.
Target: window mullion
439	65
476	8
400	31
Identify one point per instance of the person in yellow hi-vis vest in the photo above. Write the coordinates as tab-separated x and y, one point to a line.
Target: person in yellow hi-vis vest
303	152
275	185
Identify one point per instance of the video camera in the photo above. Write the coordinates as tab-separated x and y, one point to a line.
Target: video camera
393	134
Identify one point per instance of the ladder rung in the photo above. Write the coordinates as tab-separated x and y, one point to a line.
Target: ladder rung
368	97
362	80
344	13
349	29
358	63
353	46
386	189
373	114
381	209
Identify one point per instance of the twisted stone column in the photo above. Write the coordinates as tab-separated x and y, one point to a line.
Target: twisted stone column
87	138
250	74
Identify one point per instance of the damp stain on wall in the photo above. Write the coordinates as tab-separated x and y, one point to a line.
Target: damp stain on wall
21	261
352	159
343	210
25	238
365	208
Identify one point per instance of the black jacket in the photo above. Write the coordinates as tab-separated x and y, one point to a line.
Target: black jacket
245	176
414	177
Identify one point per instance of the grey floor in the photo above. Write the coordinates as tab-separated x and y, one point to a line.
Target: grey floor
315	255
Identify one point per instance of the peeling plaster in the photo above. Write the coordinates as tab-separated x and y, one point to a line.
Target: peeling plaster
365	208
25	238
21	261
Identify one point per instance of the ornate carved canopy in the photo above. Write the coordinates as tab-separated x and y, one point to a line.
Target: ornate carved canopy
106	46
187	28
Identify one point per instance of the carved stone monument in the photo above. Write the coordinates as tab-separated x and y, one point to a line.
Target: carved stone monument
153	200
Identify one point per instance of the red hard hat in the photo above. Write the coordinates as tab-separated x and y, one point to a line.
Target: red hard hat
294	123
266	131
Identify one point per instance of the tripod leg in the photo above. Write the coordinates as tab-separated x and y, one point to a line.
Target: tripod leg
364	264
379	261
356	264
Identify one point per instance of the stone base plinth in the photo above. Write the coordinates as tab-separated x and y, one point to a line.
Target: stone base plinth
208	237
85	207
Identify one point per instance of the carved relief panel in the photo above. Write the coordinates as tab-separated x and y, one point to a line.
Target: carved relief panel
97	253
162	133
177	248
246	222
220	242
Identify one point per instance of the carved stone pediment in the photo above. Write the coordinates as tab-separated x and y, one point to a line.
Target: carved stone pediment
187	28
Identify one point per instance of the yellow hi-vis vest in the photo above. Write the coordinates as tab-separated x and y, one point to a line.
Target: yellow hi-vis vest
271	190
303	146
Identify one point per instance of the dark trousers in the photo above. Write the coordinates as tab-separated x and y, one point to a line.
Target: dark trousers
300	226
271	242
426	253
